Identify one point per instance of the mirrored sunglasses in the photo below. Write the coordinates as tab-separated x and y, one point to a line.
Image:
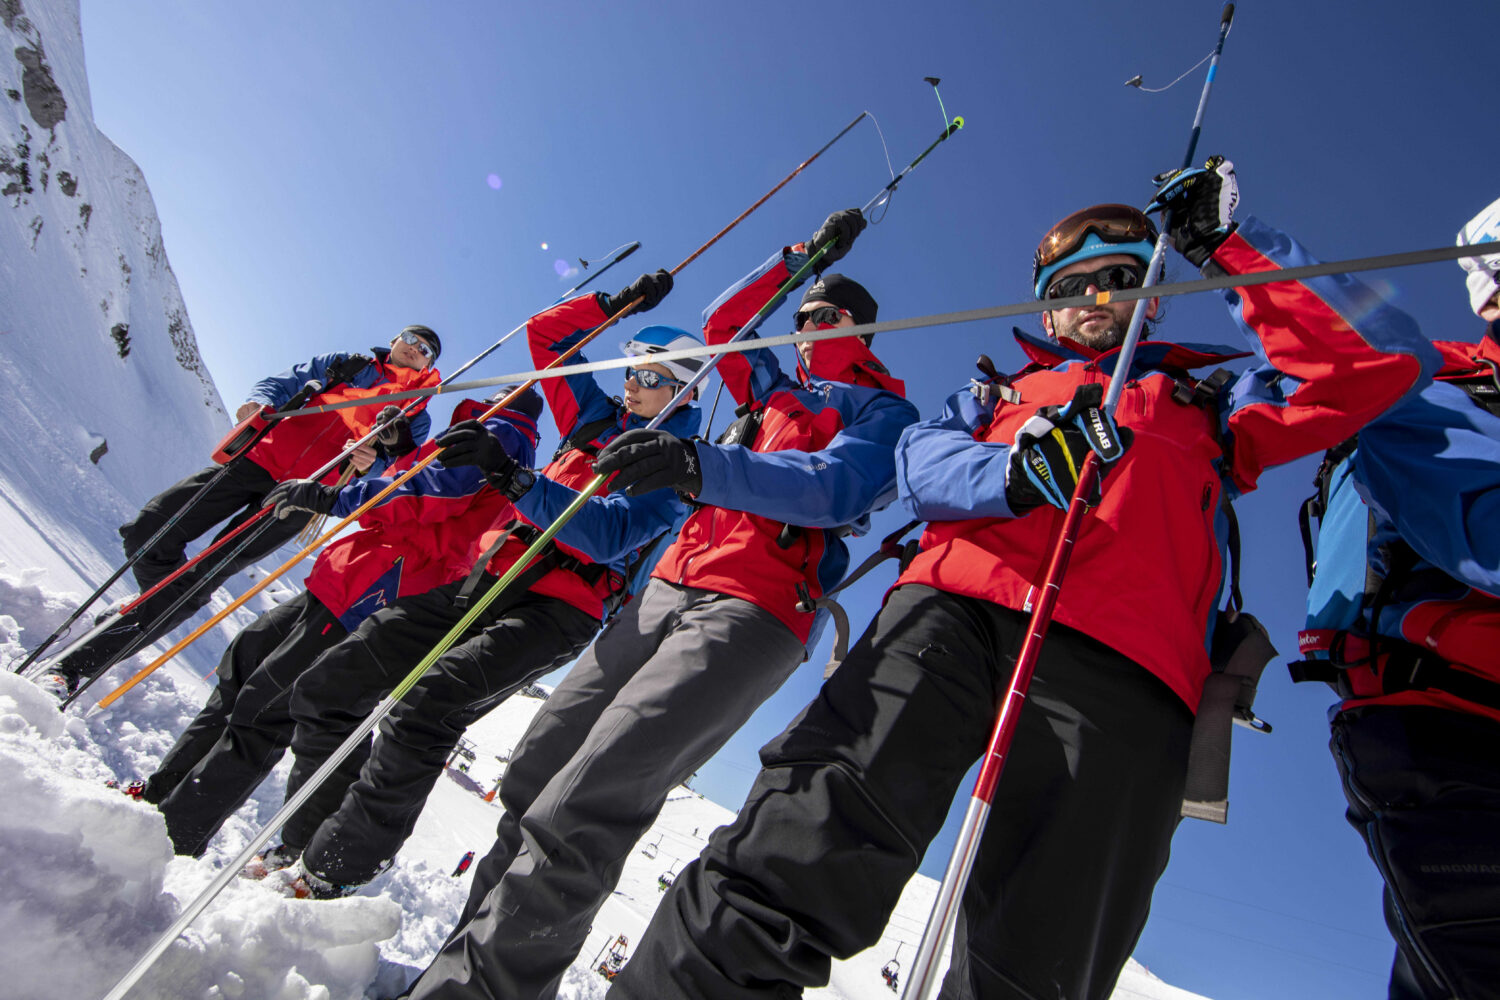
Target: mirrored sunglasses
407	337
1115	278
648	379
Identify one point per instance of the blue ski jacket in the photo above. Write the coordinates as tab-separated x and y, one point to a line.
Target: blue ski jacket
1419	497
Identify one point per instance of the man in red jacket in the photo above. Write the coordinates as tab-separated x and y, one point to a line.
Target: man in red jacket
291	449
854	790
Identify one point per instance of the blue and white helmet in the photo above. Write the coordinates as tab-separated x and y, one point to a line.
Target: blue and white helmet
651	340
1483	272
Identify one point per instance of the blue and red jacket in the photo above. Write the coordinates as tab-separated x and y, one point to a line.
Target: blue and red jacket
420	536
606	537
298	447
1422	489
770	531
1148	566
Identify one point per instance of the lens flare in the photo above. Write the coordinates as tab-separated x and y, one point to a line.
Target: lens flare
493	180
564	269
544	246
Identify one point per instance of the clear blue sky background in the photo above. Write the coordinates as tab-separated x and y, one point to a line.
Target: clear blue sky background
321	171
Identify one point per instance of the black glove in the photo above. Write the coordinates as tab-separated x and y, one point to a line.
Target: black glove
394	438
649	288
651	460
1200	206
1049	451
346	368
301	496
837	233
471	443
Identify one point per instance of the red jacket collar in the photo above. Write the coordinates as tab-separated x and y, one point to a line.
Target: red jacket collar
847	359
1461	358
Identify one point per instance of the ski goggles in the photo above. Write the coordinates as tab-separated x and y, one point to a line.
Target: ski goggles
1111	223
1115	278
407	337
821	315
648	379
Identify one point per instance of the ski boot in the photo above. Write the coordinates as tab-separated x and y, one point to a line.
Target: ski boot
276	859
306	885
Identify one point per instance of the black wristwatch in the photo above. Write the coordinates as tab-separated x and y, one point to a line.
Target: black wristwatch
520	481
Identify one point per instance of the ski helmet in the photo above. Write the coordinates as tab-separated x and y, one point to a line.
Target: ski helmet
650	340
427	334
1484	272
1097	231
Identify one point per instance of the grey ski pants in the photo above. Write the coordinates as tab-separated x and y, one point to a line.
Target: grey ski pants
667	683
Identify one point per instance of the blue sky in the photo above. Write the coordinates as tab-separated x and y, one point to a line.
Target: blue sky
323	175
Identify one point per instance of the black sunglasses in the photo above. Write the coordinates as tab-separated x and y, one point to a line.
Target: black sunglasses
1115	278
648	379
822	315
418	343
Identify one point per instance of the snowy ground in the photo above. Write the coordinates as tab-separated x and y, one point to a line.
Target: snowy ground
92	881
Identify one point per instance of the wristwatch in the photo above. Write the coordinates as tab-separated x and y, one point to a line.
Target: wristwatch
520	481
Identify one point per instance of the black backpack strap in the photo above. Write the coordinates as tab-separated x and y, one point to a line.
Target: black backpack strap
583	437
891	547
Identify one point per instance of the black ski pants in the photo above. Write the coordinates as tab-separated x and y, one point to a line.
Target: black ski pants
237	496
514	640
1423	785
852	792
532	637
244	728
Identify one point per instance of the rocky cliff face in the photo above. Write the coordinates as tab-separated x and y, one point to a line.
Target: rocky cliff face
105	399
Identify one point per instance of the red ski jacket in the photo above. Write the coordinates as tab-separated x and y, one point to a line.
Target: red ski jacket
298	447
775	511
421	535
1147	568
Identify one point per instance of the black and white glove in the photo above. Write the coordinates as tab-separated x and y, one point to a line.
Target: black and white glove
1047	457
1200	205
301	496
394	438
837	233
649	288
471	443
649	460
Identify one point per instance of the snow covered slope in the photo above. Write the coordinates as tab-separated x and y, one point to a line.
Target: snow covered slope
106	402
106	398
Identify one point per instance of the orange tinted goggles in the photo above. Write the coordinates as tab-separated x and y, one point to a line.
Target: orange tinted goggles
1112	223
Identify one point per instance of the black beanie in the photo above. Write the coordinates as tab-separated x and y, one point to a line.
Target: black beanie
846	293
529	402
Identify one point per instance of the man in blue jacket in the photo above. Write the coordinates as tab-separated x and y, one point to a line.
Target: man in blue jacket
1403	620
291	449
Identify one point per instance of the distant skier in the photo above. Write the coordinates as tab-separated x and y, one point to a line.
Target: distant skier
291	449
463	864
1403	620
854	790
